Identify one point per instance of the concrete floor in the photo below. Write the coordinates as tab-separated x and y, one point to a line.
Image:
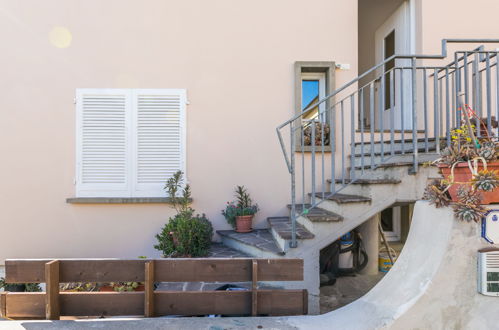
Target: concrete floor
346	290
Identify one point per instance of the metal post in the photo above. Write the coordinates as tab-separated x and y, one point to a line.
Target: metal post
371	115
476	95
436	111
381	113
352	137
312	149
489	94
342	143
361	106
392	113
425	109
447	109
414	116
293	243
402	111
332	143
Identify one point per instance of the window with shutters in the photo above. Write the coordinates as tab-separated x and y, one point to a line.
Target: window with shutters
129	141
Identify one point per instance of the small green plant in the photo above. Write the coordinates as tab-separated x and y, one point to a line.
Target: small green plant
174	187
79	287
125	286
242	206
185	234
26	287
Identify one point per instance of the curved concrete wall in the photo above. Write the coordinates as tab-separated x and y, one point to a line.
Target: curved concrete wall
432	286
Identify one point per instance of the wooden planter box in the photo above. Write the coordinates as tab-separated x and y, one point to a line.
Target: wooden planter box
462	174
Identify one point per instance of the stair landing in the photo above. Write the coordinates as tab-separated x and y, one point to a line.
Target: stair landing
259	238
282	226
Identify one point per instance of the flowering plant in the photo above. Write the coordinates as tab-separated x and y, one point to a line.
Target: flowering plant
243	206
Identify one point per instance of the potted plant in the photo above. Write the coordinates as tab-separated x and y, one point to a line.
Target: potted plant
186	234
470	167
239	214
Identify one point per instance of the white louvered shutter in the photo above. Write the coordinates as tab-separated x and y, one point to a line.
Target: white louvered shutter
159	141
103	142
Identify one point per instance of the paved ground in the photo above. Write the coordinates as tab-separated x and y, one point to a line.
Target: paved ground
346	290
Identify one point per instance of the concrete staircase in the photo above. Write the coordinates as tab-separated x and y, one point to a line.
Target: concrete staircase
375	189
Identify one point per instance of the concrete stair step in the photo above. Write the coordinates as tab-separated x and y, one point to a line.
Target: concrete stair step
317	214
395	159
282	227
368	181
387	152
259	242
395	162
343	198
407	146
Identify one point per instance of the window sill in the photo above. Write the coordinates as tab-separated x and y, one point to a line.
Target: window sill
119	200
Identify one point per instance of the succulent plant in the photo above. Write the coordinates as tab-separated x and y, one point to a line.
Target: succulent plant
436	192
467	195
469	212
485	180
466	147
487	150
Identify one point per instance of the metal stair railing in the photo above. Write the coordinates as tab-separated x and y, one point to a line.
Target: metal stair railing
424	105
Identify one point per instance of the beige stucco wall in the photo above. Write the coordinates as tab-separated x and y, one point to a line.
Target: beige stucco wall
235	58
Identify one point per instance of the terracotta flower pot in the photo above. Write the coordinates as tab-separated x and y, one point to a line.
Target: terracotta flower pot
106	288
244	223
463	174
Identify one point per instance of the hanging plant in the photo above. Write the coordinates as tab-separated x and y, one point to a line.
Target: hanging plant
437	193
469	212
466	165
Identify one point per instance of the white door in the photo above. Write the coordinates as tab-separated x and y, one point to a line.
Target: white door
390	223
394	37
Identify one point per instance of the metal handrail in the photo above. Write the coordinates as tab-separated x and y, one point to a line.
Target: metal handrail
443	101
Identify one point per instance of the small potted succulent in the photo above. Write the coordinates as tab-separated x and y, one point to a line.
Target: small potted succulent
470	170
239	214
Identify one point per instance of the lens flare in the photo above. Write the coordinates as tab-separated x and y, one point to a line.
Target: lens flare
60	37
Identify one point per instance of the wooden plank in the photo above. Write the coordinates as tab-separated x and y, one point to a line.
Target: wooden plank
52	308
25	305
29	305
280	302
203	303
227	270
76	270
305	302
254	283
149	289
166	270
3	304
102	303
270	302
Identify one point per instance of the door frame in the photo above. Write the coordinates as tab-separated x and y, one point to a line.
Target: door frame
396	234
403	18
